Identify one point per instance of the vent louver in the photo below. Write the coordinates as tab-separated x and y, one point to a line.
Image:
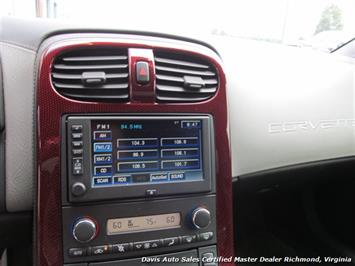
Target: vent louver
92	74
184	78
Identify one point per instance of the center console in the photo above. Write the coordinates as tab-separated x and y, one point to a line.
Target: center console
133	152
160	168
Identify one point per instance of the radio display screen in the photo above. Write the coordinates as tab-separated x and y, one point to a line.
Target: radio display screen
146	151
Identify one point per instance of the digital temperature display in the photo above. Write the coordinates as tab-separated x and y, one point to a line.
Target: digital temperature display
143	223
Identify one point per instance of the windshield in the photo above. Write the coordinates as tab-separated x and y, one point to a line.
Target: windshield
318	24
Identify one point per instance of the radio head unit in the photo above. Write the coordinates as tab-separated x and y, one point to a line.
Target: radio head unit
114	157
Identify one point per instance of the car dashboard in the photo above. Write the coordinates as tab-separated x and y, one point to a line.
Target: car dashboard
124	147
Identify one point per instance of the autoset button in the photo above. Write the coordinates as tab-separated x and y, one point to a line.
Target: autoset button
159	177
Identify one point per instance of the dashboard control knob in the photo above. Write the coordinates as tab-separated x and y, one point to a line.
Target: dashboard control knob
78	189
201	218
84	230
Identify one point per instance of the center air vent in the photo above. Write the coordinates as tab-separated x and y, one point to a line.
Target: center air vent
92	74
184	78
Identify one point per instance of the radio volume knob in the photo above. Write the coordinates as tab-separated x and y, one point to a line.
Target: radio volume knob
201	218
84	230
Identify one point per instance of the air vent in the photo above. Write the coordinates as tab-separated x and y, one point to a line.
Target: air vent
92	74
184	78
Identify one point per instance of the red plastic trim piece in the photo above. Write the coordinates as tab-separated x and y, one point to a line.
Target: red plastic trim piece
51	106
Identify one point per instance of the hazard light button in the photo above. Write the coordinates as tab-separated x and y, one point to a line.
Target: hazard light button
142	72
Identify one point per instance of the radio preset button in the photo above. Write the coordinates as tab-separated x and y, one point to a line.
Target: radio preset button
180	142
180	153
137	154
180	164
137	143
137	166
77	252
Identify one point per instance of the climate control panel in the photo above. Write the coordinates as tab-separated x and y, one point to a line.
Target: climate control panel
133	229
